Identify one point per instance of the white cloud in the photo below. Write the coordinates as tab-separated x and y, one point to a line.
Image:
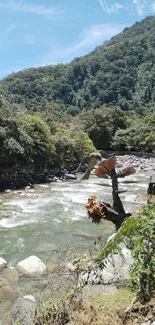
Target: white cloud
140	6
153	7
31	8
110	8
143	7
91	37
97	33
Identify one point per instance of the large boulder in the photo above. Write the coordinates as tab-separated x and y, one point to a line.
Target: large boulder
31	266
114	269
24	311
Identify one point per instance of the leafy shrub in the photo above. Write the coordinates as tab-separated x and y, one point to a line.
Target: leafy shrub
143	269
139	232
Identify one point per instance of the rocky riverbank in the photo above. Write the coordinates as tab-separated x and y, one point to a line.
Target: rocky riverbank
141	164
29	283
17	177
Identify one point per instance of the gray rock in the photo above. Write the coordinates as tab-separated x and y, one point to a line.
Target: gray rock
6	290
11	274
27	187
3	263
115	269
107	277
31	266
24	311
71	177
44	247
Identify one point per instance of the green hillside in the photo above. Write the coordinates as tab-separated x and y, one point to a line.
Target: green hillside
120	72
56	115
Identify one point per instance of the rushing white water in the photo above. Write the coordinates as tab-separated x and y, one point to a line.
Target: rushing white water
55	214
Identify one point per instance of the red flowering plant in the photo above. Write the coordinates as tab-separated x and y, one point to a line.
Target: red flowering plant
94	209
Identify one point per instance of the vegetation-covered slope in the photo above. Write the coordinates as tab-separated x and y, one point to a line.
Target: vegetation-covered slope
54	115
121	72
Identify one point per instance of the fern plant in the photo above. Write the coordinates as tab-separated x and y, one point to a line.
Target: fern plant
139	232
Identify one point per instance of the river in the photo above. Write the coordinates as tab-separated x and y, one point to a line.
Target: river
50	217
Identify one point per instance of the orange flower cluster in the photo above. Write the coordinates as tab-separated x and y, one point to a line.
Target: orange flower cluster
94	209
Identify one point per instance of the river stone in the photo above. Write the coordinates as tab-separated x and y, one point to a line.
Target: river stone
6	291
3	263
11	274
43	186
44	247
24	311
118	265
71	177
31	266
84	235
8	191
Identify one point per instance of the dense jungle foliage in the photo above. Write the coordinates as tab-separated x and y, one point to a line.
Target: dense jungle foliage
55	114
27	139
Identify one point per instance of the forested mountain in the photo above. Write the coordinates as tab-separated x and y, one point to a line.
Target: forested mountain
120	72
56	115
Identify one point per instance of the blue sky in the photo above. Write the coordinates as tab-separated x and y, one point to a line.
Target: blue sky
36	32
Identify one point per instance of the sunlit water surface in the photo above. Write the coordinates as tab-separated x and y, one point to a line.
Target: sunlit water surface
55	214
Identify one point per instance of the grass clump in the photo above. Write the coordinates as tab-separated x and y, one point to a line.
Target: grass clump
99	310
103	310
